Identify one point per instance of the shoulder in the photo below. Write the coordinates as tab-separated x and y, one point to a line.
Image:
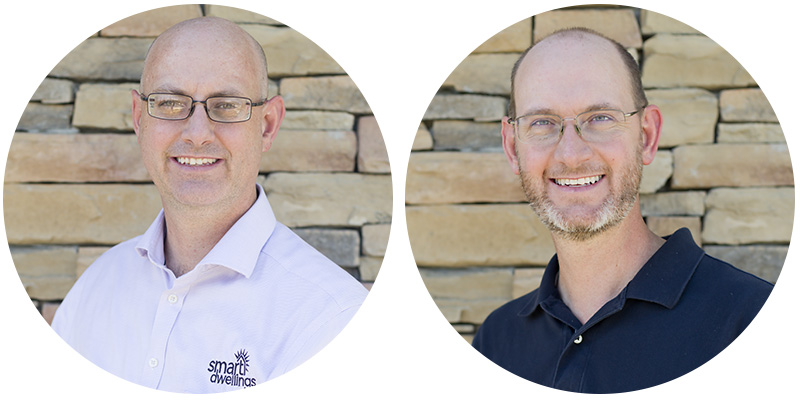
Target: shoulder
718	275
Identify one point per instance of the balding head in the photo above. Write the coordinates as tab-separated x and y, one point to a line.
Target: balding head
563	43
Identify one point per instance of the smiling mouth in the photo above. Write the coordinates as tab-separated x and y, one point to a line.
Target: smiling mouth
191	161
579	182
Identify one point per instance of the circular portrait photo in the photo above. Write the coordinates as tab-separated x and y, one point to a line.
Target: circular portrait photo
599	199
197	198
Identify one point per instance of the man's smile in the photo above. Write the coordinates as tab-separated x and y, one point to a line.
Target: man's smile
192	161
578	182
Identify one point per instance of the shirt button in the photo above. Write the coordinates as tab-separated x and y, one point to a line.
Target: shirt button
172	299
578	340
153	363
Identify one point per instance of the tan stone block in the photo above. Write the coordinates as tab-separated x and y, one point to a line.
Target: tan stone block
81	158
705	166
374	239
467	135
620	25
468	337
686	60
483	73
515	38
372	155
104	59
423	139
765	262
653	22
468	311
665	226
47	273
477	235
450	177
238	15
468	295
749	215
310	151
318	120
686	203
45	118
464	328
152	23
745	105
526	280
320	199
291	54
369	268
54	91
342	246
104	106
466	106
656	174
88	255
332	93
750	133
86	214
689	115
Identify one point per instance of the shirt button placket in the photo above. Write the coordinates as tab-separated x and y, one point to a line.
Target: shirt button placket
169	307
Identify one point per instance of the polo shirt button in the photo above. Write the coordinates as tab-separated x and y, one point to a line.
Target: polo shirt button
172	299
153	363
578	340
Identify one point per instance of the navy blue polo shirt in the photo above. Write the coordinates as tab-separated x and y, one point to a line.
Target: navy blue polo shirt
680	310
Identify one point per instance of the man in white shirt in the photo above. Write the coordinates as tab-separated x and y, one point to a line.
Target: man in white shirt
216	295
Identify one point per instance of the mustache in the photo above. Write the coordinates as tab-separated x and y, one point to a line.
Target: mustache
581	170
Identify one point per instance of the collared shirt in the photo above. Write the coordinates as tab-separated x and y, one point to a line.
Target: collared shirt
261	302
680	310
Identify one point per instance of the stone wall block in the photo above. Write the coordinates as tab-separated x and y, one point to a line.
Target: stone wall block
104	106
238	15
448	177
690	115
653	22
765	262
477	235
320	199
686	203
467	135
750	133
526	280
374	239
340	245
468	295
481	73
665	226
423	140
74	158
153	22
54	91
620	25
656	174
515	38
307	151
291	54
745	105
105	59
318	120
88	255
688	60
369	267
372	155
466	106
39	117
77	213
737	165
749	215
46	272
332	93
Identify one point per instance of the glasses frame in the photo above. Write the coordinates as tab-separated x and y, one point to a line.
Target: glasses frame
514	121
205	106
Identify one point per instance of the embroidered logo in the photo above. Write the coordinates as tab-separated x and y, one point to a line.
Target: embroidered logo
232	373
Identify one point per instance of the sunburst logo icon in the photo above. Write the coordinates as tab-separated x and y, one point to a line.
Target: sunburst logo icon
243	359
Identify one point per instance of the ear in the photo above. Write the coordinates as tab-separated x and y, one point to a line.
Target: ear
507	131
136	110
273	113
651	133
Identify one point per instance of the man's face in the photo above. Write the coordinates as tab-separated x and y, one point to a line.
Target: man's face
578	188
196	161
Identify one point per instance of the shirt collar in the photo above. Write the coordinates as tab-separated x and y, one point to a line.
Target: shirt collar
661	280
238	249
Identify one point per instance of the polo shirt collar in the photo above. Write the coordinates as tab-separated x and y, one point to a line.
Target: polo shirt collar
661	280
238	249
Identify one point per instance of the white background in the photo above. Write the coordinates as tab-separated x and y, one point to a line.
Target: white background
399	345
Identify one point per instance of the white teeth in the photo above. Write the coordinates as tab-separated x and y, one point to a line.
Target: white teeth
196	161
578	182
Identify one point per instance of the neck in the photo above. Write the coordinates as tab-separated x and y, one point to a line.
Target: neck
594	271
191	232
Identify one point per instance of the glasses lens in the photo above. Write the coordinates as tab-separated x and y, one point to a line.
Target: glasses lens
169	106
598	123
538	128
228	109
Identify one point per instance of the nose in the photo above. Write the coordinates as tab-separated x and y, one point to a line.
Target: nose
571	149
199	129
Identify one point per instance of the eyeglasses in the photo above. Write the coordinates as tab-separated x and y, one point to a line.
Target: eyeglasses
595	126
173	107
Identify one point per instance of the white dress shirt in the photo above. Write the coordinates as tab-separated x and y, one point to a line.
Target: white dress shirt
261	302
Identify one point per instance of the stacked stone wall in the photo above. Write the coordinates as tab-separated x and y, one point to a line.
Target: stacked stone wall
75	184
722	168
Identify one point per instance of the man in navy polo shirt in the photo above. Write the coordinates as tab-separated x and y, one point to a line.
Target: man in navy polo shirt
619	308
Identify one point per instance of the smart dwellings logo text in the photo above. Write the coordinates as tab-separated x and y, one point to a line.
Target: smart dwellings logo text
233	373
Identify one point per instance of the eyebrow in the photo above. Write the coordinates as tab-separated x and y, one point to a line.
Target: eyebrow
550	111
169	88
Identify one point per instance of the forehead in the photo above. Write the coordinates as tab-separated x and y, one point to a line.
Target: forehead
571	73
